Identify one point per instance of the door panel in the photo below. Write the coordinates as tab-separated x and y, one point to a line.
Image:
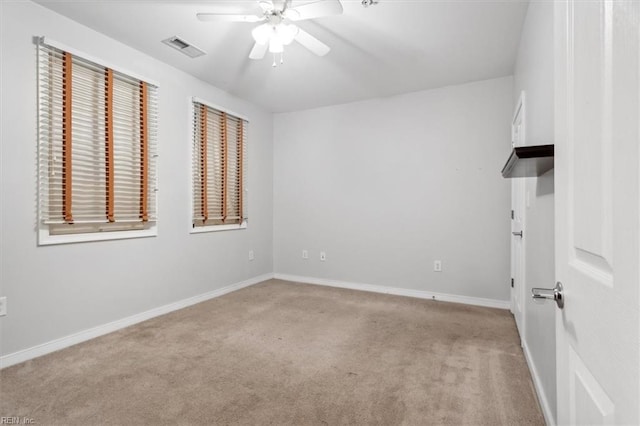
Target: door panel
597	209
591	103
588	401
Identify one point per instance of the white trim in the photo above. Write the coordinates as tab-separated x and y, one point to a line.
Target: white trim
64	342
520	110
519	204
420	294
191	139
216	228
45	239
219	108
101	62
73	339
549	418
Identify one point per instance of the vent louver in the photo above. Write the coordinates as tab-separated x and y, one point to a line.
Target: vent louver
184	47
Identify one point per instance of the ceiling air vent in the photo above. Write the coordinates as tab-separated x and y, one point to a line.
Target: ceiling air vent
183	46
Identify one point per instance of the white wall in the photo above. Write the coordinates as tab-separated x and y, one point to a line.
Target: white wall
387	186
59	290
534	75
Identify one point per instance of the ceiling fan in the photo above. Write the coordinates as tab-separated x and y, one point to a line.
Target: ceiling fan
277	29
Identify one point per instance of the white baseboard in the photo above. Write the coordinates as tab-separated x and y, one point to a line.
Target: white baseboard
64	342
420	294
542	395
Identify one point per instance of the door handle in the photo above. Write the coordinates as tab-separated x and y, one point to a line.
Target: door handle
550	293
517	234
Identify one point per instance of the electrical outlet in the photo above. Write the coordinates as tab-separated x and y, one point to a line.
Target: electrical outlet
437	266
251	256
3	306
305	254
323	256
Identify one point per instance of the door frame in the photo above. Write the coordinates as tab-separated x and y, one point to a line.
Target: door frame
518	203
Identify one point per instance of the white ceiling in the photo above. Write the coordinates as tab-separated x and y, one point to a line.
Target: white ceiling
394	47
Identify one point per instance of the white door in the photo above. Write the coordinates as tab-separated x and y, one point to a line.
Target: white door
597	211
517	252
517	223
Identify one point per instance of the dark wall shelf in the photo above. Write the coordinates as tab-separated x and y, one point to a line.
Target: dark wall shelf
529	161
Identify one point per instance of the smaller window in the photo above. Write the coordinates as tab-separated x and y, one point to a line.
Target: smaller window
219	169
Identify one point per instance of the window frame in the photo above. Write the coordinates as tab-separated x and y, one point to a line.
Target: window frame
223	227
44	237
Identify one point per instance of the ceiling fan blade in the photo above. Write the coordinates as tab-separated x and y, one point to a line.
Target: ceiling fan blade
227	17
311	43
313	10
258	51
266	6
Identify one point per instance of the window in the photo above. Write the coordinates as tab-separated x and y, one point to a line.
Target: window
97	150
219	169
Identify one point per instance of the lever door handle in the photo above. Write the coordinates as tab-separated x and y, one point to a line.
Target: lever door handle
517	234
550	293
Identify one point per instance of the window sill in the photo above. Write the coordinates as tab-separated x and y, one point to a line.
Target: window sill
45	239
216	228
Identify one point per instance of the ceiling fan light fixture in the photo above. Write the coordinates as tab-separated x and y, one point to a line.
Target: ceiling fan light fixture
286	33
262	33
276	36
275	45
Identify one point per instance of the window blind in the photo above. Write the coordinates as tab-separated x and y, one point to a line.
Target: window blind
97	144
219	167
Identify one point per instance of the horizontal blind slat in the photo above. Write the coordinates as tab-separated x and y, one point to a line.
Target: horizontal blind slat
224	183
87	169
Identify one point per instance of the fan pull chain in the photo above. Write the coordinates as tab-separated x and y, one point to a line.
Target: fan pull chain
281	59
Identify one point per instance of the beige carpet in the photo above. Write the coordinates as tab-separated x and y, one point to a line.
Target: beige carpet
285	353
